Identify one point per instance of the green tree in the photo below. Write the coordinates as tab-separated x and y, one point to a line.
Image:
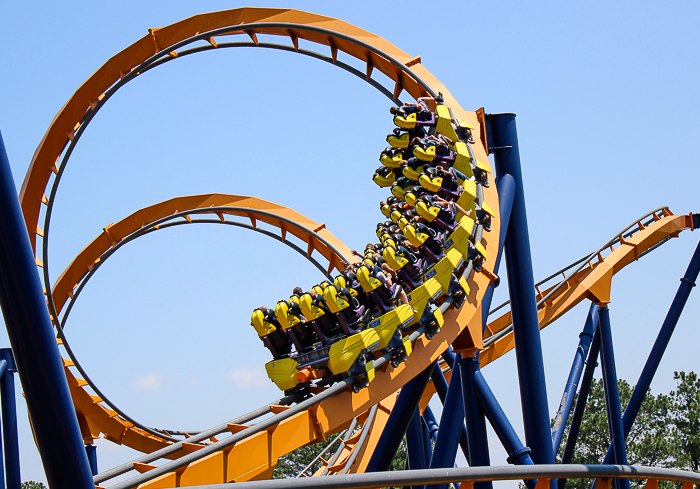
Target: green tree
685	419
32	485
649	442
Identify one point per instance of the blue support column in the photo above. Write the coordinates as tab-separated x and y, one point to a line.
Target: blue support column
506	193
91	451
567	398
398	421
415	447
451	423
441	388
427	440
518	454
9	420
431	423
34	346
476	422
521	285
657	351
612	395
591	364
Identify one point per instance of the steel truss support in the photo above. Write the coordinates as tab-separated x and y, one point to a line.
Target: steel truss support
9	419
503	138
657	351
612	395
506	193
567	399
476	421
451	423
397	424
34	345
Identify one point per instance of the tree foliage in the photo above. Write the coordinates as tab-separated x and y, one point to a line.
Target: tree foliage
666	432
32	485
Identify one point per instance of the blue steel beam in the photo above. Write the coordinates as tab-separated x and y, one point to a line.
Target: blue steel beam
9	419
91	451
612	395
451	422
441	388
476	422
567	399
506	193
34	345
518	454
662	340
427	439
398	421
521	286
415	446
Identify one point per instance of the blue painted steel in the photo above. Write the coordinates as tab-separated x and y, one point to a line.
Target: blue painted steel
9	419
415	447
518	454
506	193
91	451
567	399
476	422
521	285
431	423
612	396
451	422
441	388
591	364
398	421
427	440
657	351
34	345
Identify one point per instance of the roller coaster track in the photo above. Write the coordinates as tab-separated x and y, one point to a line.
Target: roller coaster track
240	450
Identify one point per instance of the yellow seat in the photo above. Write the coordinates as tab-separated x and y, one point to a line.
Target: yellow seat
282	314
386	210
414	237
427	154
487	209
408	122
334	302
431	184
283	373
308	309
463	159
412	173
398	142
395	262
343	353
483	166
398	191
368	282
392	162
427	213
410	198
384	181
262	327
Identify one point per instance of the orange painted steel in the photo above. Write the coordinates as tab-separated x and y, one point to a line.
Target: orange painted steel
592	283
256	456
261	450
70	117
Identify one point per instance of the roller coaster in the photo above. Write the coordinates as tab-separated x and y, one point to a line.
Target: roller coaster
358	356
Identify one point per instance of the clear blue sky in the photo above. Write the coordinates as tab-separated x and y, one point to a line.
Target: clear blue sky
607	102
